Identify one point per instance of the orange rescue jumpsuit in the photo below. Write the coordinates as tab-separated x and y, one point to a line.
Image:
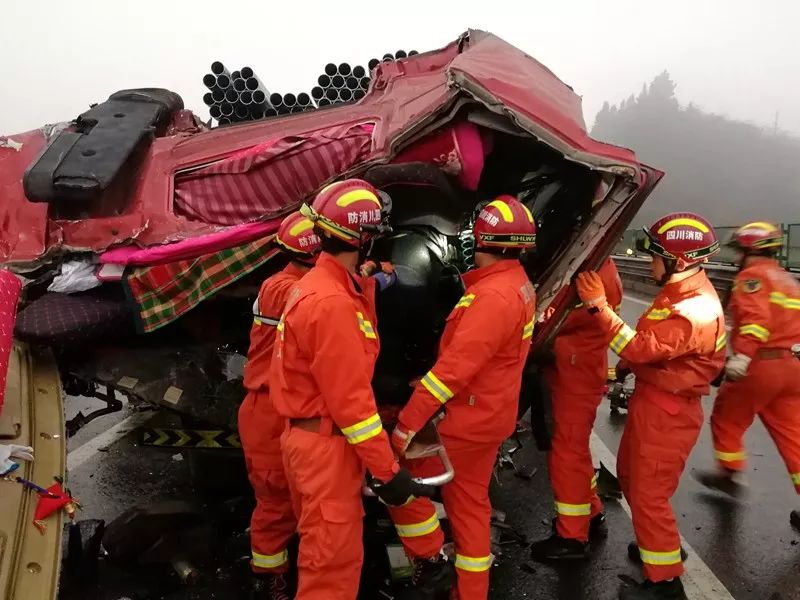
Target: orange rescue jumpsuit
765	307
477	376
321	369
273	523
576	383
678	348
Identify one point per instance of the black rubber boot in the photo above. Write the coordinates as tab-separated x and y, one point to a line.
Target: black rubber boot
663	590
598	530
635	556
557	548
722	481
794	519
433	578
270	587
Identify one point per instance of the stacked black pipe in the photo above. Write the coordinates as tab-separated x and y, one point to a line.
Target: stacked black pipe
238	96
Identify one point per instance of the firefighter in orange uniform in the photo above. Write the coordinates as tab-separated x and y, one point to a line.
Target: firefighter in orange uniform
576	382
763	373
273	523
320	378
477	379
677	349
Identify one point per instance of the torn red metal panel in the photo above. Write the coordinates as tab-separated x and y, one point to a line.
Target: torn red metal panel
23	226
523	85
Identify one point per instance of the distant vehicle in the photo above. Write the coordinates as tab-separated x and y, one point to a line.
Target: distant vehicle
439	132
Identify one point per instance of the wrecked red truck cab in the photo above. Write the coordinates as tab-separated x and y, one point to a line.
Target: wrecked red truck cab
140	184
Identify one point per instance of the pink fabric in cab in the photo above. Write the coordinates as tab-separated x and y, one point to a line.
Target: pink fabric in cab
459	151
10	288
191	248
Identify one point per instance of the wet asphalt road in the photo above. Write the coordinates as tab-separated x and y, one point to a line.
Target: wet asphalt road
749	546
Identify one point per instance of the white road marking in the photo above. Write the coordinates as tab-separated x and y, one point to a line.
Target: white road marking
699	581
81	454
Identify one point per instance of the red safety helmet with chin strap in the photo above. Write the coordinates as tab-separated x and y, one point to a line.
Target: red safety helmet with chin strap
685	239
297	237
757	237
503	223
345	210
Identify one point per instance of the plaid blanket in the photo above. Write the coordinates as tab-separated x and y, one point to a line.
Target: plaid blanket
162	293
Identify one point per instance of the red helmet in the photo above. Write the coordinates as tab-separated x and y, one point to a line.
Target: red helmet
685	237
757	236
505	222
346	208
296	236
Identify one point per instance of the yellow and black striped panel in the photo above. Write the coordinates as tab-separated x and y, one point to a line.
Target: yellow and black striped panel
189	438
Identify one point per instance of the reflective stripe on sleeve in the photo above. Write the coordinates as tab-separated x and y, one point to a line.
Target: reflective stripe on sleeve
413	530
437	389
622	339
783	300
796	478
659	314
366	327
722	341
672	557
474	564
730	456
465	301
364	430
527	331
270	561
573	510
262	320
594	481
757	331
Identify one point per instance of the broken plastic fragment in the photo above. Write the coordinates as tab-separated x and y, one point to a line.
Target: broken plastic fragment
7	142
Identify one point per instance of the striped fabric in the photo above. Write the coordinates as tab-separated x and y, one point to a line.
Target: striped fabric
755	330
722	341
412	530
364	430
465	301
366	327
622	339
162	293
573	510
527	331
785	301
270	561
659	314
266	180
474	564
729	456
673	557
437	389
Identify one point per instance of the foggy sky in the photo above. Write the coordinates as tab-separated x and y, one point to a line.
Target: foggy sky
736	57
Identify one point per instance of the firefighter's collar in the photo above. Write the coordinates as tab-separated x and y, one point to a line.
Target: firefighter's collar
472	277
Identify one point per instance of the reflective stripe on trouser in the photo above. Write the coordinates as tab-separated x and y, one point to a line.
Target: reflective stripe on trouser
572	475
325	477
652	456
273	524
416	523
771	390
466	500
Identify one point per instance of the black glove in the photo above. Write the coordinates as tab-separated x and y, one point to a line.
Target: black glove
719	379
621	373
400	489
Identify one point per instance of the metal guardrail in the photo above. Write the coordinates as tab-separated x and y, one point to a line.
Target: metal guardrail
789	257
636	270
